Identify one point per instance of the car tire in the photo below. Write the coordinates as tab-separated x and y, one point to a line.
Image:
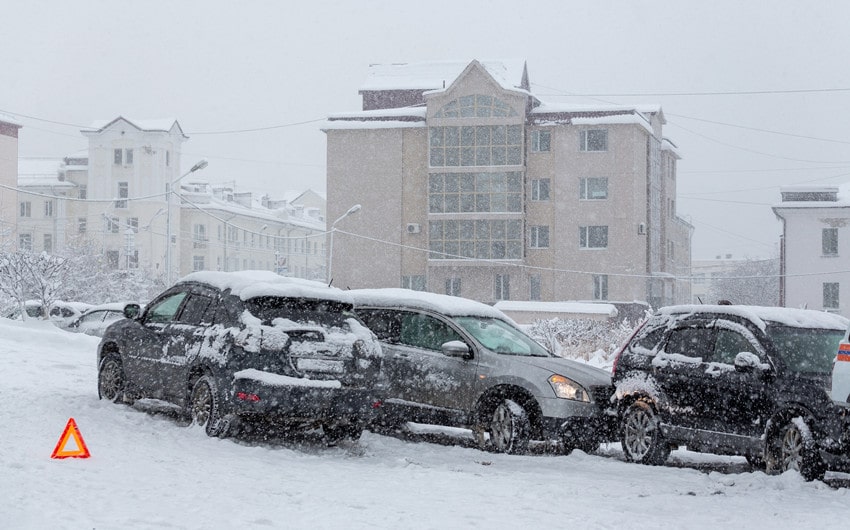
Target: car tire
205	407
641	436
509	428
110	379
335	433
792	447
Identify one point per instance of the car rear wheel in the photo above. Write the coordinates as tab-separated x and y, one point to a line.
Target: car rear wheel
792	447
110	379
641	435
205	407
509	428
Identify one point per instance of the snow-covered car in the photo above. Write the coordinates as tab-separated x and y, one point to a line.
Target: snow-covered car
730	379
96	319
62	313
456	362
840	382
32	308
241	349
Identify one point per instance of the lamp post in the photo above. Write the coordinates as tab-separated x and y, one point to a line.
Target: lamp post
168	192
353	209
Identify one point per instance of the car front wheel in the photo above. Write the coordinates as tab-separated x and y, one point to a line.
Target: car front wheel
509	428
110	379
792	447
641	435
205	407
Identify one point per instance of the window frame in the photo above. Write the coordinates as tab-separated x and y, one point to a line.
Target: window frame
585	140
541	189
584	193
538	236
585	237
829	242
831	292
538	144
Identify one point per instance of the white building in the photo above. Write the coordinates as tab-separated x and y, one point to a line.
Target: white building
815	250
8	181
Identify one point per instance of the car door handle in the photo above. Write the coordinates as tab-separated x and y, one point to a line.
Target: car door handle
401	356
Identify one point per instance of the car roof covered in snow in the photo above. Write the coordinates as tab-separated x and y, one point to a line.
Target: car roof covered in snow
441	303
252	284
761	315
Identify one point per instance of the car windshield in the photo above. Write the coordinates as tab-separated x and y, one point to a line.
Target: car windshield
805	350
304	311
499	336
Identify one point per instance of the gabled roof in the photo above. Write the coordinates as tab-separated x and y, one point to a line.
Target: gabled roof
510	74
148	125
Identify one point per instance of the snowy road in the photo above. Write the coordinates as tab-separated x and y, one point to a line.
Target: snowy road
148	471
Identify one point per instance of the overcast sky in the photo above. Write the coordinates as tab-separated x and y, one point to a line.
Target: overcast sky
284	66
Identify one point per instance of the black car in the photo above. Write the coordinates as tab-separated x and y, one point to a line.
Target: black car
246	348
739	380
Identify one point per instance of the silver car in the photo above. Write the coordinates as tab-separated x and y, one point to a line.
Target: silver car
456	362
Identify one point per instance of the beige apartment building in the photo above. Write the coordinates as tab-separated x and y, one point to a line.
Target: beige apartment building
470	185
8	181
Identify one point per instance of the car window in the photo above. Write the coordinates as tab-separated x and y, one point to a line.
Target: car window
501	337
425	331
165	309
95	316
728	345
697	342
194	309
384	323
648	343
805	350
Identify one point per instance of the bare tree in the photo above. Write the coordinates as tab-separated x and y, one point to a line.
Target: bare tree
754	282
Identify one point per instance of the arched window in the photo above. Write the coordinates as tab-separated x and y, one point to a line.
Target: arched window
476	106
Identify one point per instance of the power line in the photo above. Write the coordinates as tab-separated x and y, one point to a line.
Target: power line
709	93
792	135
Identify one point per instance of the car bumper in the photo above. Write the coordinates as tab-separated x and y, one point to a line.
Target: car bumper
579	424
253	398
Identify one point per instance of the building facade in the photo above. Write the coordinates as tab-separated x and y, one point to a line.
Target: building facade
8	182
815	246
114	199
470	185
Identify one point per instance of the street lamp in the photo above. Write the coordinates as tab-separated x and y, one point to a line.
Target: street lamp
169	190
353	209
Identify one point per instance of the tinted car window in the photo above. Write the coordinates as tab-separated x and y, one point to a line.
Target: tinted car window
194	309
386	325
164	310
304	311
424	331
728	345
649	342
805	350
692	342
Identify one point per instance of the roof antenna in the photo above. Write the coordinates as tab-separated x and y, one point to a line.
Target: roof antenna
444	83
330	282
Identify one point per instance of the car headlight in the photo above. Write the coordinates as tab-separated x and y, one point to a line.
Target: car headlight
566	388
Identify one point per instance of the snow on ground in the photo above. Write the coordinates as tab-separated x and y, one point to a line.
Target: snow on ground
151	471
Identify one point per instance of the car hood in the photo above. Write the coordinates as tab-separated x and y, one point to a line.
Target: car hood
581	373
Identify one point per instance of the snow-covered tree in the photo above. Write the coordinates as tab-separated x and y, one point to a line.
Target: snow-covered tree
754	282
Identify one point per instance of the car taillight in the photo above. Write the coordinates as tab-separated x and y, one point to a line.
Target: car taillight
623	348
245	396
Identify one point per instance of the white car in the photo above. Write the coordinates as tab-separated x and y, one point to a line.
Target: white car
841	372
96	319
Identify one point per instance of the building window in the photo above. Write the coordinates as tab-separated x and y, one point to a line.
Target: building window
475	192
593	236
453	286
112	259
600	287
830	295
540	190
82	225
197	263
133	260
480	239
416	282
199	236
593	189
128	157
117	155
829	241
594	140
82	191
167	158
112	225
48	243
540	141
48	208
502	287
475	106
26	209
538	237
123	193
25	242
133	224
534	289
671	250
482	145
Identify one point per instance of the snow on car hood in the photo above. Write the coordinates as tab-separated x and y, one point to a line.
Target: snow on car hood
581	373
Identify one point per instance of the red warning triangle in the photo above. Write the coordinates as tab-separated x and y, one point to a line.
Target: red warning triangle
71	432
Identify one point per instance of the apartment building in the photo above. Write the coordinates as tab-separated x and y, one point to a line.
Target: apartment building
814	248
472	186
115	198
8	181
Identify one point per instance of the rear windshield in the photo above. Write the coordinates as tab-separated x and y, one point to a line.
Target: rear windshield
499	336
805	350
325	313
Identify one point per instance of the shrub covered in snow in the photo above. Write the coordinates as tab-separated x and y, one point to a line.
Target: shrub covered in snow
592	341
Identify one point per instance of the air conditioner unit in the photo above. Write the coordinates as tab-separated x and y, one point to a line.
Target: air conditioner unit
413	228
641	229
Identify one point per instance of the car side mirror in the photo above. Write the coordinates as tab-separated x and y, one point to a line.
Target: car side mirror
748	361
455	348
132	311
